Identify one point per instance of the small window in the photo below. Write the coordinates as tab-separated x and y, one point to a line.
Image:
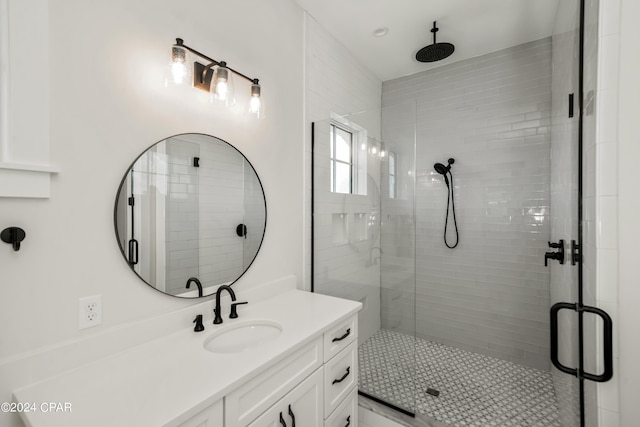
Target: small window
341	160
392	175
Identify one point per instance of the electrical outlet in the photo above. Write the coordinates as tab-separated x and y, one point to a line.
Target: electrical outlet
90	311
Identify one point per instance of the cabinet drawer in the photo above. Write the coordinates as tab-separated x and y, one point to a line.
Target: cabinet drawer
302	406
339	337
340	375
346	414
248	401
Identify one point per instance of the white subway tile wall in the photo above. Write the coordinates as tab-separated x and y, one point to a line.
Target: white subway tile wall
601	201
492	114
222	209
182	215
254	214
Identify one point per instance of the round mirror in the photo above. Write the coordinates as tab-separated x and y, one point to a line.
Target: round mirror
190	215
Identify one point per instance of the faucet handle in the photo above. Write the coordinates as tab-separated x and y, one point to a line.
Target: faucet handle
234	312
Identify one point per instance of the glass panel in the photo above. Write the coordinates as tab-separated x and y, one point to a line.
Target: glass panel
343	145
349	255
564	200
343	177
398	261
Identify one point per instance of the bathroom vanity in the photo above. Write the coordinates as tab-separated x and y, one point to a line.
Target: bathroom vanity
288	360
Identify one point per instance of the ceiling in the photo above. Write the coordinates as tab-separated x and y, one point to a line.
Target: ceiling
475	27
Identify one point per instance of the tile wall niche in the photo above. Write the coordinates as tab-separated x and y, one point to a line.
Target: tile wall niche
492	114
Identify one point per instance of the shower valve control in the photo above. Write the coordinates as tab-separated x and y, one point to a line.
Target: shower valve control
558	256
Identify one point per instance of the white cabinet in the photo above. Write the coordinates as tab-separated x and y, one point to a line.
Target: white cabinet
314	386
301	407
345	415
212	416
254	397
341	374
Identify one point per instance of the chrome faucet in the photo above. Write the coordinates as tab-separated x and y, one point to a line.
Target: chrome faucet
218	311
198	284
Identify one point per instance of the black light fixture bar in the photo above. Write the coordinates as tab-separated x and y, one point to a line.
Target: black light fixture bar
212	62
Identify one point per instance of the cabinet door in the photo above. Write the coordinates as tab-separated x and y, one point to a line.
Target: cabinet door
211	416
302	407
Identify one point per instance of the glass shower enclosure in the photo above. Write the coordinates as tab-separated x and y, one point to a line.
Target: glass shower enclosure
498	330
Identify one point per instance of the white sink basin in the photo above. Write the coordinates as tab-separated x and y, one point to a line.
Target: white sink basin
241	336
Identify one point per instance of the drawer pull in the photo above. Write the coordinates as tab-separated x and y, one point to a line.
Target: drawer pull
348	421
343	377
282	421
293	417
346	334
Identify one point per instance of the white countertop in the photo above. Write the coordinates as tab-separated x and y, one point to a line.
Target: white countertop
167	380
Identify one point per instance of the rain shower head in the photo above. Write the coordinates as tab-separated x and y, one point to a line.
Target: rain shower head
436	51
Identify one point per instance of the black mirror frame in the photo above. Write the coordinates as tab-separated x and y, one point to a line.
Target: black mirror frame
115	213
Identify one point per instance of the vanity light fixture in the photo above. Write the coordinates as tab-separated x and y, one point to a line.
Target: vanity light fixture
215	77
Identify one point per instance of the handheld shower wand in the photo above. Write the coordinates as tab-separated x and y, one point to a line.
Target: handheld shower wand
444	171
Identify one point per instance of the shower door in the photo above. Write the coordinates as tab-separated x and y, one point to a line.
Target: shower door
581	334
360	254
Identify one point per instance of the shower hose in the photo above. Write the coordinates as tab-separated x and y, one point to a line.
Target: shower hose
450	202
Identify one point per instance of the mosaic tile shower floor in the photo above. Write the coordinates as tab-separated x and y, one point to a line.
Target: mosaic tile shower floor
475	390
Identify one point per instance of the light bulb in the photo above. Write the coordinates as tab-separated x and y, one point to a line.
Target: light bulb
178	69
255	103
222	84
222	90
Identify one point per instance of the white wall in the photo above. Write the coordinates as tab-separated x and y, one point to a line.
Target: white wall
628	177
107	104
601	202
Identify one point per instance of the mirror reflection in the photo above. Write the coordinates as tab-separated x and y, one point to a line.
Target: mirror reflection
190	215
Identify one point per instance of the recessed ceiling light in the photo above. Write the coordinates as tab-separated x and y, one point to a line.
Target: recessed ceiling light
380	32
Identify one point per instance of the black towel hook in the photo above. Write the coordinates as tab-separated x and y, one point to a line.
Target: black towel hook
13	236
